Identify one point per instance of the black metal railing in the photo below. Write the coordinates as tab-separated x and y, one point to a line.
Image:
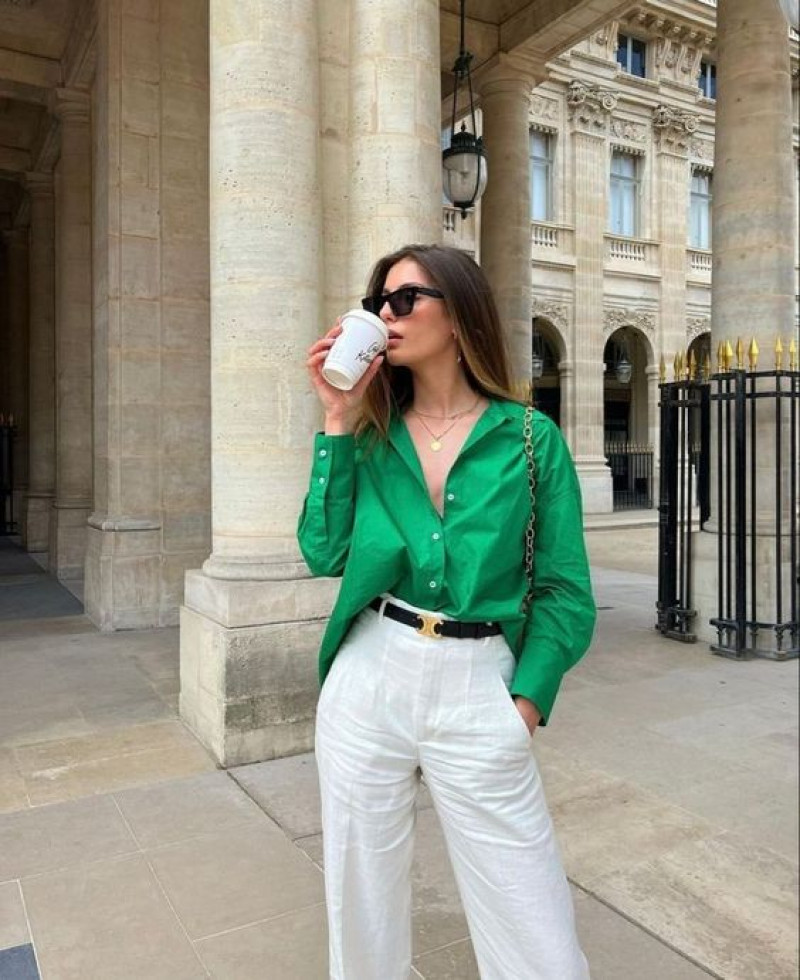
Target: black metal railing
7	521
758	588
749	477
631	475
683	501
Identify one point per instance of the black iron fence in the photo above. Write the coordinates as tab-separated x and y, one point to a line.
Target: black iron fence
7	520
729	451
631	475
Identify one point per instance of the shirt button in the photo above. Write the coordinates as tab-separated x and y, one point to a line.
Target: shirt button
323	453
436	535
431	585
322	479
451	496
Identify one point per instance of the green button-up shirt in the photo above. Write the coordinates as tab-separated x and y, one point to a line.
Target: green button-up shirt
368	517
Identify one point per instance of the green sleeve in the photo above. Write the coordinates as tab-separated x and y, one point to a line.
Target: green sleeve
562	615
326	521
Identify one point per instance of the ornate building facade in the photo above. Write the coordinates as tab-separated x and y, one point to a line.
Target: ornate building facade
191	190
622	178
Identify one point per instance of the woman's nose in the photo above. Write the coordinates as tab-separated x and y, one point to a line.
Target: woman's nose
385	312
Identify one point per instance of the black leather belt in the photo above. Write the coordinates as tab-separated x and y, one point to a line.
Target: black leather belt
427	624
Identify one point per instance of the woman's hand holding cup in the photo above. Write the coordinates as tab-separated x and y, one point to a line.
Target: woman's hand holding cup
341	407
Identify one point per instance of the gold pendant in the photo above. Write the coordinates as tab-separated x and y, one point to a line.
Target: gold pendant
436	445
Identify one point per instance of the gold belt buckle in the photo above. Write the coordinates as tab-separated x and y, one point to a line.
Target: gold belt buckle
429	624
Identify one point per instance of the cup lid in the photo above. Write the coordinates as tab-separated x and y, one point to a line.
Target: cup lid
369	318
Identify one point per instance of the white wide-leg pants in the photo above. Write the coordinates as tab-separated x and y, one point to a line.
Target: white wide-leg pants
394	704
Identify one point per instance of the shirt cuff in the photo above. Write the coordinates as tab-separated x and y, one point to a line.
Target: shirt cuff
333	467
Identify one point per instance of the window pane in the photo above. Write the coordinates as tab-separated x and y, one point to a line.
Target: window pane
624	195
541	150
622	51
638	64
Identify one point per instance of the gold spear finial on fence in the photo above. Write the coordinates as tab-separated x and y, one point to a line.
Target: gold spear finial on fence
728	355
739	354
721	356
779	354
707	366
692	365
793	355
662	371
752	354
676	366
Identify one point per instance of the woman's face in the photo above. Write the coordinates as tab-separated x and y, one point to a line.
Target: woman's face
426	333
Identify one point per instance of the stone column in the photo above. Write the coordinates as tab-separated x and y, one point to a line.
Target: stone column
41	364
754	248
252	620
506	205
73	336
16	242
395	190
672	131
589	111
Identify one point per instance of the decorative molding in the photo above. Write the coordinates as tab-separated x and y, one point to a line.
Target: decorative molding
702	150
590	106
674	128
625	129
696	326
544	112
616	317
556	313
606	40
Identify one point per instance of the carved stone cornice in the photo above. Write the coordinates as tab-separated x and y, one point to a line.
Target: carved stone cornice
674	128
555	313
616	317
590	106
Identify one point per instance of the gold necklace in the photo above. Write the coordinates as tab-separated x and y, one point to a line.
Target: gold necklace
436	440
447	418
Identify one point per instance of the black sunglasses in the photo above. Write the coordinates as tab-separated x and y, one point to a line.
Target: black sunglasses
401	301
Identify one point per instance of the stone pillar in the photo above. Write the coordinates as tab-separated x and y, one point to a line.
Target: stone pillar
506	205
73	336
395	190
654	426
754	248
673	130
41	364
589	111
253	619
16	242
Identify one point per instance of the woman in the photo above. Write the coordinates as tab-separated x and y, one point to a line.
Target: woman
420	498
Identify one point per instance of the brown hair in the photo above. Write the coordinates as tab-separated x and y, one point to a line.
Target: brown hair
471	306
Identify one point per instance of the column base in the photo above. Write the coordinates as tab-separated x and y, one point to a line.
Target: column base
124	571
68	540
36	526
597	490
705	597
249	664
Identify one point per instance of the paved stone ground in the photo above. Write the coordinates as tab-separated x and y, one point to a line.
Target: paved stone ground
125	853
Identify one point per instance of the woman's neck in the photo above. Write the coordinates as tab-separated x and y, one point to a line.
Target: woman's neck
442	393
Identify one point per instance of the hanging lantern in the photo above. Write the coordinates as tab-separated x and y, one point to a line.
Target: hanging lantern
464	170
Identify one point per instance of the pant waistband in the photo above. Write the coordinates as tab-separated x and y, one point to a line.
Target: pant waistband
433	626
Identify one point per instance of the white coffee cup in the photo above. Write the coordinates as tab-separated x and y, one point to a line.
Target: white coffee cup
363	337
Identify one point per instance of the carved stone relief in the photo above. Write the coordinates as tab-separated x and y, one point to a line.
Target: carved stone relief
590	105
674	128
632	132
696	326
544	110
617	317
701	150
556	313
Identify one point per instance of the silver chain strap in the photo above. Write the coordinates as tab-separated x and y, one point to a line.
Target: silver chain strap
530	530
